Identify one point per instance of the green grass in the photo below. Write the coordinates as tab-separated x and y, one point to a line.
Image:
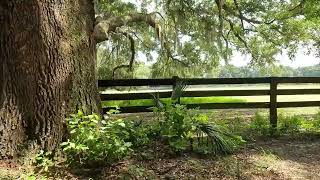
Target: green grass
201	100
186	100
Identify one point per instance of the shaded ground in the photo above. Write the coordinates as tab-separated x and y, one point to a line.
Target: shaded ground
294	157
272	159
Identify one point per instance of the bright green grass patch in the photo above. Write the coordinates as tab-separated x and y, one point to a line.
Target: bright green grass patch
186	100
201	100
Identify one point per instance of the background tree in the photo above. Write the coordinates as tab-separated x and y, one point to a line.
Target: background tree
192	37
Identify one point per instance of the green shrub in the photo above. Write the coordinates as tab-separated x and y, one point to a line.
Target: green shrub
185	129
176	126
137	133
95	142
260	126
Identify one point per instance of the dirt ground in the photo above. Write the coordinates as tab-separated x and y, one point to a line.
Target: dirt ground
272	159
295	157
283	158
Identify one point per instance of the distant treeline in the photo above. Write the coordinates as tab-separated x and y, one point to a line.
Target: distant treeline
283	71
226	71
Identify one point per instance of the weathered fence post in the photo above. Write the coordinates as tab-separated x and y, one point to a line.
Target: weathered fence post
175	82
273	103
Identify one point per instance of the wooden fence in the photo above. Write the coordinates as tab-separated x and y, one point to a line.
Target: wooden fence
272	92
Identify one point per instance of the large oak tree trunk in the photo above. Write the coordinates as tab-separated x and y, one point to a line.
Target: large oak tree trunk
47	70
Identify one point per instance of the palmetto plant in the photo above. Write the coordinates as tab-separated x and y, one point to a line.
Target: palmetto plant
184	128
218	139
178	91
175	96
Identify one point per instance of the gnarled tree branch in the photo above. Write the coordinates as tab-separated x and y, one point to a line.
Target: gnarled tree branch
104	27
238	36
240	12
133	52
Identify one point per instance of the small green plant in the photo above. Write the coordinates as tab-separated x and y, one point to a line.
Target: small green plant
95	142
44	161
29	177
316	121
289	124
237	126
260	126
137	133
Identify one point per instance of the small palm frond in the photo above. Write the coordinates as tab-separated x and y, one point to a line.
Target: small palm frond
157	101
221	141
178	90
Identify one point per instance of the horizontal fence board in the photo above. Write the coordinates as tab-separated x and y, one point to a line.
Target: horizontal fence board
225	93
167	94
297	91
296	79
298	104
134	96
248	105
204	81
134	109
130	109
135	82
188	81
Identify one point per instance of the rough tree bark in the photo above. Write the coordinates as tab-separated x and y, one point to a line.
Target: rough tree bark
47	70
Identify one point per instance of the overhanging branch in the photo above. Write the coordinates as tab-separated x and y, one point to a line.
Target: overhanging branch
238	36
240	12
104	27
133	52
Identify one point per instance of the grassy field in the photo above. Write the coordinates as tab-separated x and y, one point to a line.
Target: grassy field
198	100
189	100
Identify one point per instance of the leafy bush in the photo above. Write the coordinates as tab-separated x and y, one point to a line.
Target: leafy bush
94	142
185	129
137	133
176	125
